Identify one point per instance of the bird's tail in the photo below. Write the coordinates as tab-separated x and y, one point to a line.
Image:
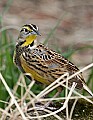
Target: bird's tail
87	89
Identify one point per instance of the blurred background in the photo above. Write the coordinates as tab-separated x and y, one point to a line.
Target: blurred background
66	26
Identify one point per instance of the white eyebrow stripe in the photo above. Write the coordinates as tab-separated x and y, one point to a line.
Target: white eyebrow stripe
36	29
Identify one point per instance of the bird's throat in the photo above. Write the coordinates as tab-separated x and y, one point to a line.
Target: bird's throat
29	40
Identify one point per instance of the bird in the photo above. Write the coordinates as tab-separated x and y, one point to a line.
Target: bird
43	64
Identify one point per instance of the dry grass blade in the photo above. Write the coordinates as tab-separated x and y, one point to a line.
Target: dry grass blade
84	97
66	94
72	109
5	112
48	89
13	98
61	98
64	105
27	91
32	98
42	93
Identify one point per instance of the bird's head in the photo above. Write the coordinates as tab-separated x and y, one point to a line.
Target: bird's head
28	34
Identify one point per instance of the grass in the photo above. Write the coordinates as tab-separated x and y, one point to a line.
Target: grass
18	106
11	73
7	68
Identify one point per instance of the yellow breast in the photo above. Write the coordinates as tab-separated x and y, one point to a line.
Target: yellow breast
33	73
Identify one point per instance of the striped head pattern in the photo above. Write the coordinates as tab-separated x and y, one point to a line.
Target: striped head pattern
28	34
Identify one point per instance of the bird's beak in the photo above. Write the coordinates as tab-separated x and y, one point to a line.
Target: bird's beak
36	33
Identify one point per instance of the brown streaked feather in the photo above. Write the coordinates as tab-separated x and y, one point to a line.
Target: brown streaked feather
51	65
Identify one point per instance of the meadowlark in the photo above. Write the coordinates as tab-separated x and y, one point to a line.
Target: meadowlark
44	64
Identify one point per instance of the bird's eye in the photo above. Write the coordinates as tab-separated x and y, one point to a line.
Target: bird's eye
25	30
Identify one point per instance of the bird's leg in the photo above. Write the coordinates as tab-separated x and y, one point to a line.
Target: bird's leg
41	106
59	90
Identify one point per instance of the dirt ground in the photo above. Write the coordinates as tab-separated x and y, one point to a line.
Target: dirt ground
75	28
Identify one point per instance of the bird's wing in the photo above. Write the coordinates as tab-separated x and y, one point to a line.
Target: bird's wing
50	64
